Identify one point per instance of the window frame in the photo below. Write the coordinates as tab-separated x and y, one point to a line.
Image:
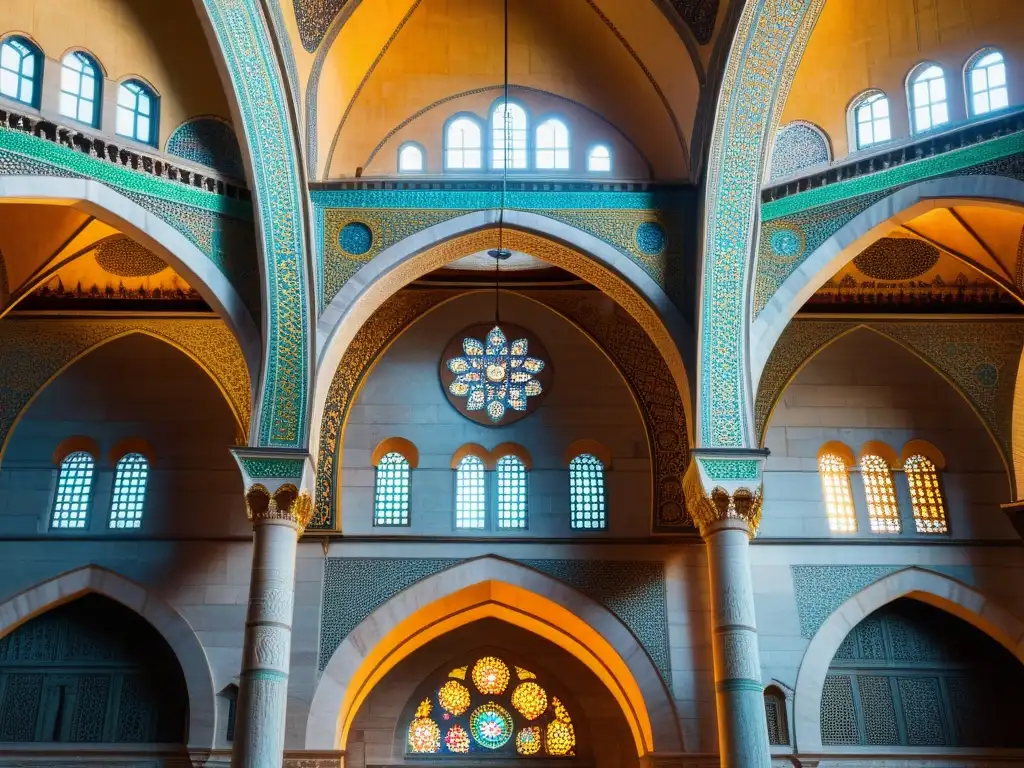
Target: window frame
936	469
408	491
604	493
423	156
912	79
847	464
492	148
482	460
113	493
969	66
853	125
864	474
556	117
38	62
154	116
611	156
97	96
483	143
88	496
497	493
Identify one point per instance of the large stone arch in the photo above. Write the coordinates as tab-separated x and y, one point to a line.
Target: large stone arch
564	246
930	587
161	238
161	616
36	366
860	232
492	587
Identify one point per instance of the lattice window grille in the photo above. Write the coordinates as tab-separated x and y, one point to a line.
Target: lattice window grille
391	490
587	492
512	492
835	483
74	489
775	715
883	509
926	495
129	497
838	711
470	494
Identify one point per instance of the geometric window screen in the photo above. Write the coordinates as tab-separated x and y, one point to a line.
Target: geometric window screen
391	491
928	99
987	84
470	493
587	492
883	511
835	482
775	714
80	88
74	488
511	492
129	491
925	495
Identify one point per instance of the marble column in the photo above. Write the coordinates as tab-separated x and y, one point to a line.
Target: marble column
278	521
727	510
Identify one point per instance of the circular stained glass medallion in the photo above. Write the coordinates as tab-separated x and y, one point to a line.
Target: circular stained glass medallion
424	736
528	740
530	700
457	740
490	675
495	374
491	725
454	697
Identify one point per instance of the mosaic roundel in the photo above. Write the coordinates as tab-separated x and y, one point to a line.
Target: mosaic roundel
650	238
355	238
787	243
495	374
123	257
491	725
897	258
986	374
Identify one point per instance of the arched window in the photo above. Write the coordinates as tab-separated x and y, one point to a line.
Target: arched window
137	112
489	708
925	495
74	491
470	493
775	714
883	510
871	120
511	492
391	490
586	492
835	482
129	498
928	97
986	83
553	145
463	144
508	136
599	159
21	70
410	159
80	88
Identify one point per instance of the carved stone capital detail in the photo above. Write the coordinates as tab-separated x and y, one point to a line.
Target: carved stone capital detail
287	503
710	503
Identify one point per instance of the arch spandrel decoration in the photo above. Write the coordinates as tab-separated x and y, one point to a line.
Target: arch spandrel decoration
627	345
35	352
274	156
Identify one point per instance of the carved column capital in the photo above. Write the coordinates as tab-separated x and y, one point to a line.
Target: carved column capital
724	489
272	479
287	503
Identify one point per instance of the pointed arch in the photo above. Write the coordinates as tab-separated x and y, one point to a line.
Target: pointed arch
178	633
492	587
933	588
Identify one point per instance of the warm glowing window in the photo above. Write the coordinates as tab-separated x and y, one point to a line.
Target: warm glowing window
883	510
928	98
586	492
488	708
391	491
129	497
986	83
74	491
463	144
136	112
552	145
835	482
21	68
508	136
599	159
80	88
511	492
470	493
410	159
925	495
871	119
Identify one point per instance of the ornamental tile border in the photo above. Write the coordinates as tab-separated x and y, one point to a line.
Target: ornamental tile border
261	469
244	40
719	470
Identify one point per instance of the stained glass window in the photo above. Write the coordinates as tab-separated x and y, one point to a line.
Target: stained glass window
871	119
470	493
136	112
508	136
391	490
74	489
489	714
986	82
552	145
129	497
599	159
928	98
463	148
586	492
21	67
883	509
925	495
835	482
511	492
80	88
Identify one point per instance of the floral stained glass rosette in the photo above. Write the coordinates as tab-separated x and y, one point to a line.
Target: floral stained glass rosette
494	375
